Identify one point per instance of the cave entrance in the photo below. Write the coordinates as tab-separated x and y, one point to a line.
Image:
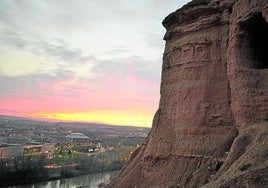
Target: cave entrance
256	34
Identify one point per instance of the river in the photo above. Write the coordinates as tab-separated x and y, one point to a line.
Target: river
89	181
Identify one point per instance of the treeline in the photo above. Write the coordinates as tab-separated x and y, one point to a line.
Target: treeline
120	140
107	161
30	169
22	169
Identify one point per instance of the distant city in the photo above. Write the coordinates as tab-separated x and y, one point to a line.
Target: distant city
59	144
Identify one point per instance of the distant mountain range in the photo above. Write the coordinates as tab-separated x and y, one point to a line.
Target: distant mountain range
30	121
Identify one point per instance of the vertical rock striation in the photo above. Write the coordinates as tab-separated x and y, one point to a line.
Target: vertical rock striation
211	127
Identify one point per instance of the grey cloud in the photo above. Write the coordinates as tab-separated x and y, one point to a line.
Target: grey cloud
60	50
117	50
29	18
60	15
27	85
135	66
13	39
23	24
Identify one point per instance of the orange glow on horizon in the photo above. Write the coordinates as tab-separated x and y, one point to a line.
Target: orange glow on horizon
120	118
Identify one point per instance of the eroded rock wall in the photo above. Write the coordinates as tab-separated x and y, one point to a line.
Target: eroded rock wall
248	61
247	69
213	94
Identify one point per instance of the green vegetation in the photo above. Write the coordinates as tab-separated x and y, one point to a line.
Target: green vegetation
67	162
22	170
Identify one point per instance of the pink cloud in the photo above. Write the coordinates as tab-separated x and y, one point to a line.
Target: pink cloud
70	95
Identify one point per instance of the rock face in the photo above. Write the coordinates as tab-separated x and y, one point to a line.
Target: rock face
211	127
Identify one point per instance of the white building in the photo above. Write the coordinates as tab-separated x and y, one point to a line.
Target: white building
78	138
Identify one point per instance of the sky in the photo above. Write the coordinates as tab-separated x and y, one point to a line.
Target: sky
84	60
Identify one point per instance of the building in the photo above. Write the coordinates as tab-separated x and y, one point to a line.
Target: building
48	150
39	149
78	138
10	150
32	149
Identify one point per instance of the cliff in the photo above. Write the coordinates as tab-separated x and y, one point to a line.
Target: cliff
211	127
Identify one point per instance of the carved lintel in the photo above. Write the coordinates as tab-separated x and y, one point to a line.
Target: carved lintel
188	52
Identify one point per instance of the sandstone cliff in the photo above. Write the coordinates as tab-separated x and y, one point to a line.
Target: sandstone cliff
211	127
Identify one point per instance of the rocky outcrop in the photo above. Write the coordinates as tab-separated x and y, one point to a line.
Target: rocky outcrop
211	127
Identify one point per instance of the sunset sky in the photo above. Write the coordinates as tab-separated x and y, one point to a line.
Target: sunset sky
82	60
